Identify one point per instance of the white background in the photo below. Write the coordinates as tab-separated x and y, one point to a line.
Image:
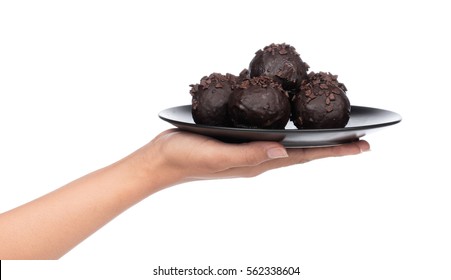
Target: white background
82	82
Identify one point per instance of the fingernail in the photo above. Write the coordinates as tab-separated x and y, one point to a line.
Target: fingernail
274	153
365	149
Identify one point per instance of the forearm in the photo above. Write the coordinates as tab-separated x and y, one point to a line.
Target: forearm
50	226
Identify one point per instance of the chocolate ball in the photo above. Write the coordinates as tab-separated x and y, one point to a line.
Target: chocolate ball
282	63
321	103
259	102
210	98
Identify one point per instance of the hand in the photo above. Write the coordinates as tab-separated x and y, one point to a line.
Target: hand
190	156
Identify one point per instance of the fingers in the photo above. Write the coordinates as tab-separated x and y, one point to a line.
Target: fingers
275	155
306	155
297	156
249	154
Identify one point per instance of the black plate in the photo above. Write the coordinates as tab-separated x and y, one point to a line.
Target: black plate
363	121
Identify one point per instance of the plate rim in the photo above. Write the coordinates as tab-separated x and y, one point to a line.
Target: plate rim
289	130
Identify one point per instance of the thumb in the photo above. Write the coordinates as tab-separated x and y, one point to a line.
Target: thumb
250	154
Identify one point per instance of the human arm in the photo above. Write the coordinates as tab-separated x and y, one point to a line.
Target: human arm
53	224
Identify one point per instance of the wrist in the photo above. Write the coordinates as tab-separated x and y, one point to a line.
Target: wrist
152	171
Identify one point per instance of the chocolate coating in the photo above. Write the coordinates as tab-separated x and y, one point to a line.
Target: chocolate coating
280	62
259	103
321	103
210	98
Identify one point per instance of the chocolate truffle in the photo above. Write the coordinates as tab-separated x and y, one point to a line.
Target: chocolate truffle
321	103
280	62
259	102
210	98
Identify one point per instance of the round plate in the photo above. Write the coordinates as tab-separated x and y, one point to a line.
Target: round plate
363	121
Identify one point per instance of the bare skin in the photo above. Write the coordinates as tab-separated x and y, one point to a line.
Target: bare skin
50	226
